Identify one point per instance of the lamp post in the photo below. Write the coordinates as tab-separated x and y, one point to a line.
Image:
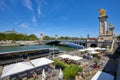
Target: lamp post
56	36
53	53
41	38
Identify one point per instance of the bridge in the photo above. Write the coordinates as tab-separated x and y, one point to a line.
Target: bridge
85	43
80	42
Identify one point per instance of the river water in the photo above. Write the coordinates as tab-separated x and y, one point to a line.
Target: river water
29	47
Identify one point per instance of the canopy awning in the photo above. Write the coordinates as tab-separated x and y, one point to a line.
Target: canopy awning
71	57
23	66
103	49
16	68
102	76
97	48
65	56
94	52
89	49
41	61
76	58
82	50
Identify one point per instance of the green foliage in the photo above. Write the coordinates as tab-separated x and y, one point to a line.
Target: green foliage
60	63
16	37
96	61
71	71
68	49
32	37
46	38
64	38
118	37
2	36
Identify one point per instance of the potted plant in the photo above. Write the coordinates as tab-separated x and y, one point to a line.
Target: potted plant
96	61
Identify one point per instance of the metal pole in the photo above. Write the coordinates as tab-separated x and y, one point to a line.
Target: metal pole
53	52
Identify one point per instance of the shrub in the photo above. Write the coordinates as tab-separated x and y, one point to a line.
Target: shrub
96	61
60	63
71	71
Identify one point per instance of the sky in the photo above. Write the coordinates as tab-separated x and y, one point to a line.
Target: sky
74	18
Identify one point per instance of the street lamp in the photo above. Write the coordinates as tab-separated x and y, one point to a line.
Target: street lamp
53	53
56	37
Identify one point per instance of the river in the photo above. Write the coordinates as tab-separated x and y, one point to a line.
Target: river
19	48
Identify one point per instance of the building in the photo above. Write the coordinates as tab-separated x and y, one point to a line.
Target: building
10	32
105	32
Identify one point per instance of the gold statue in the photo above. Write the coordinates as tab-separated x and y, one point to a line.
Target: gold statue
111	25
102	12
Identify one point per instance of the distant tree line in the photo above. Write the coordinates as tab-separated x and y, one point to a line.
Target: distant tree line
62	38
118	37
17	37
52	38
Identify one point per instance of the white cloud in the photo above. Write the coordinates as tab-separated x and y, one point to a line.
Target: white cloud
39	10
40	4
34	20
24	25
28	4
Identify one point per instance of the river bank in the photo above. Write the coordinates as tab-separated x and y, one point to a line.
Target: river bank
17	43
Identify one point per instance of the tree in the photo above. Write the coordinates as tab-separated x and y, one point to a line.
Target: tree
32	37
118	37
46	38
60	63
11	36
71	71
96	61
64	38
20	37
2	36
17	37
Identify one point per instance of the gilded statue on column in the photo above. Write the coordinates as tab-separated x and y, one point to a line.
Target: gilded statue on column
111	25
102	12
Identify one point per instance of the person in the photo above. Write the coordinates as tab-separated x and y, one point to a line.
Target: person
77	77
91	57
102	62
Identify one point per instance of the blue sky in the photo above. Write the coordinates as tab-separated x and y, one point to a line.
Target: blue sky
62	17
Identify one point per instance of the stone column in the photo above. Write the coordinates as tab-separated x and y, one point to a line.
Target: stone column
41	38
102	25
56	37
111	29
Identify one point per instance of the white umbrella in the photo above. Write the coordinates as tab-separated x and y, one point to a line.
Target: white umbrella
43	75
76	58
65	56
90	49
103	49
97	48
82	50
94	52
61	74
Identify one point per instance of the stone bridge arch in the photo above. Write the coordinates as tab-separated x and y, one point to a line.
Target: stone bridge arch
93	45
